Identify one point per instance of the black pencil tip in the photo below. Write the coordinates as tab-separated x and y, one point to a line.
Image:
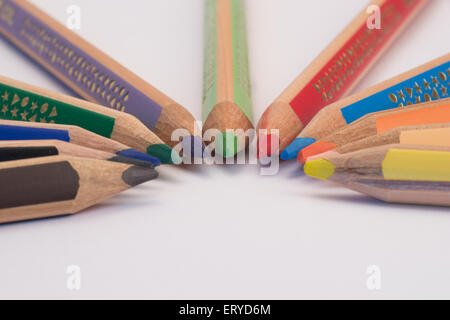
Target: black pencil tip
136	175
136	162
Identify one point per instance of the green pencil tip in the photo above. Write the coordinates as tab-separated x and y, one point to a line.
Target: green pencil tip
226	144
163	152
320	169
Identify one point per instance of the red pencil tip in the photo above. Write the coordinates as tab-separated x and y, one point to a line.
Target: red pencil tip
267	145
314	149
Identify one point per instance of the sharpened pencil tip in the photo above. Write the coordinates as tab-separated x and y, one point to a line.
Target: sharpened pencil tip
226	144
163	152
136	162
320	169
136	175
135	154
315	149
291	152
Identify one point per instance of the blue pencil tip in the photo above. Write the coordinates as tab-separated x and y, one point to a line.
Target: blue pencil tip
295	147
135	154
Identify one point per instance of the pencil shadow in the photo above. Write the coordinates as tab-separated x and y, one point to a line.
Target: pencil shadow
367	200
291	169
130	200
33	221
231	169
197	169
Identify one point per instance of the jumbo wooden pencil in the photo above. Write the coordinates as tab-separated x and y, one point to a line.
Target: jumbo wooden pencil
427	135
403	192
432	112
395	173
89	72
27	149
227	104
20	130
334	73
25	102
60	185
422	84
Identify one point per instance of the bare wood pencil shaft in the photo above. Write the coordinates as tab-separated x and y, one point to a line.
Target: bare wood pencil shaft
226	97
78	136
62	185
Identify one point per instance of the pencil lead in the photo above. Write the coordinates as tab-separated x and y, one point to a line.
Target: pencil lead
141	163
161	151
265	145
315	149
295	147
136	175
320	169
226	144
135	154
193	146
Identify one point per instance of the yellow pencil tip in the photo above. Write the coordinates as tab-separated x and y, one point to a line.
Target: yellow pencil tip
320	169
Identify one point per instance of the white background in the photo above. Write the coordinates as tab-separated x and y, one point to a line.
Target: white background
227	232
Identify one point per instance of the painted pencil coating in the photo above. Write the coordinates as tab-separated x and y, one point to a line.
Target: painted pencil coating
334	73
60	185
413	174
390	162
227	104
433	115
430	113
339	74
427	136
24	105
91	73
24	102
8	132
430	85
20	130
19	153
421	165
27	149
44	184
77	66
426	83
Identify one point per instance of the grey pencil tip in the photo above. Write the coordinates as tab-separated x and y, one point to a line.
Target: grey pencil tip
136	162
136	175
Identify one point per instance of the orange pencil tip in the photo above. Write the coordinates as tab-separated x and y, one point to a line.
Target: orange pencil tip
315	149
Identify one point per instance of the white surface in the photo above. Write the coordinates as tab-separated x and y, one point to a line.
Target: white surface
227	232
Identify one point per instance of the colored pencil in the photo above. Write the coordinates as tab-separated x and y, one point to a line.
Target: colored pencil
59	185
427	135
227	104
20	130
25	102
394	173
427	82
334	73
26	149
91	73
432	112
